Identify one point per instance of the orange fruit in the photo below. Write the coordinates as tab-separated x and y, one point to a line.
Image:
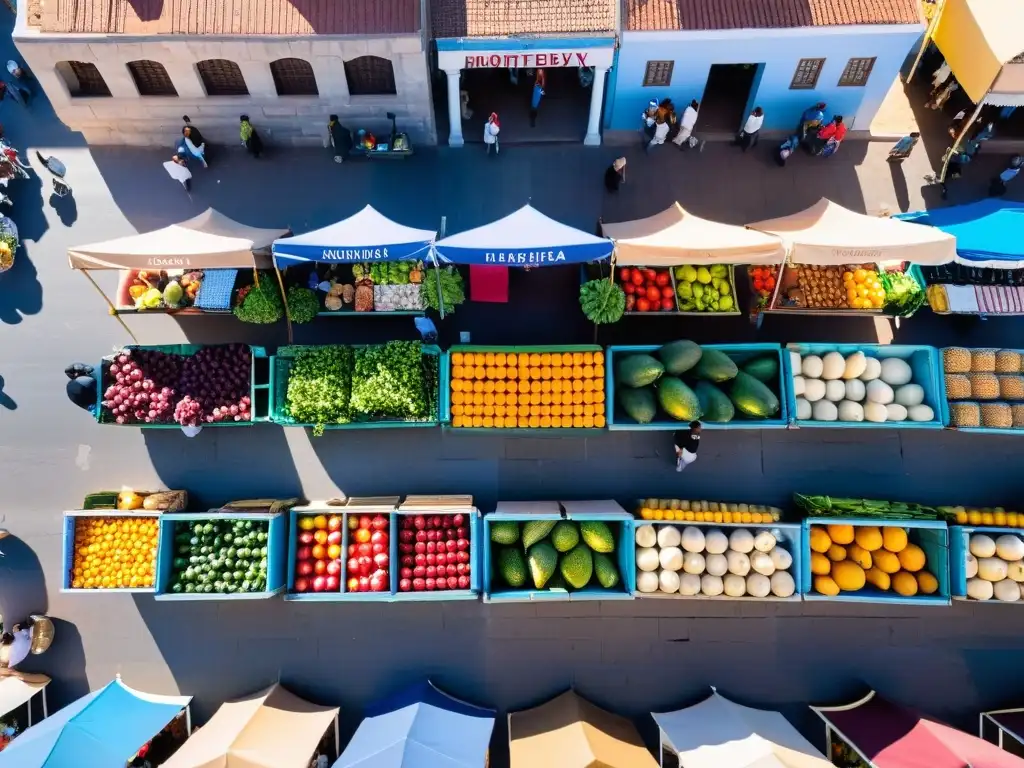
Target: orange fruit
456	358
523	422
500	359
480	372
545	372
534	422
478	421
511	373
860	275
510	359
556	422
545	421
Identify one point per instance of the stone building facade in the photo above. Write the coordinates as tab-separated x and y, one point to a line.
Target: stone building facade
126	71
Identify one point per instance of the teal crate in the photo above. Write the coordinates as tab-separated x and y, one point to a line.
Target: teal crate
446	417
259	390
580	511
959	548
931	535
472	523
739	353
944	402
68	549
924	363
276	541
280	366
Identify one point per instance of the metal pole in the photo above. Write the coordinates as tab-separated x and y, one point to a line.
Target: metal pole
284	299
956	144
939	6
111	308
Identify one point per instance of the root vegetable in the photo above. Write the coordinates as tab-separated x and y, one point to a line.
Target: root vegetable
669	536
712	586
734	586
689	584
668	581
716	565
758	585
646	536
782	584
716	542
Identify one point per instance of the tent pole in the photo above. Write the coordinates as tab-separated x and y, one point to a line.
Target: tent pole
284	299
956	144
110	305
440	296
778	286
928	35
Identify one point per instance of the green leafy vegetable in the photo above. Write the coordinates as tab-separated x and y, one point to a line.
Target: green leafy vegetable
826	506
262	303
451	289
903	296
388	381
303	305
319	386
602	301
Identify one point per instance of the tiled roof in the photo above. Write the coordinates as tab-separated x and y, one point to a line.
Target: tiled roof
657	15
232	17
483	18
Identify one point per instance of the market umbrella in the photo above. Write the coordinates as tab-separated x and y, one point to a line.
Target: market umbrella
675	236
718	733
103	729
570	732
892	736
270	729
827	234
421	727
987	232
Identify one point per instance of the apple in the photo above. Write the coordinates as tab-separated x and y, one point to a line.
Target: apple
379	581
405	573
440	583
450	545
419	522
365	565
406	549
419	584
420	548
451	570
351	550
352	585
421	536
334	568
320	537
458	520
379	523
306	538
334	523
364	550
319	584
303	553
333	551
431	572
319	552
304	568
407	537
353	522
364	583
378	549
431	547
378	537
332	584
353	566
430	584
461	569
364	522
405	585
419	571
381	560
463	557
302	585
453	557
420	559
430	559
453	582
432	535
407	561
463	582
461	544
450	534
462	533
436	521
320	567
334	537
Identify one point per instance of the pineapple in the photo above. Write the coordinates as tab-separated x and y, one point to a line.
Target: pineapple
984	386
1011	387
1017	413
958	386
965	414
1008	361
996	415
983	361
956	360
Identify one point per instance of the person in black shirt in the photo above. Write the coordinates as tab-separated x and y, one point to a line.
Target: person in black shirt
615	175
82	387
686	444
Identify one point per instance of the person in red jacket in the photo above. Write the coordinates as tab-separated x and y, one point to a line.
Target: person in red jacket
833	135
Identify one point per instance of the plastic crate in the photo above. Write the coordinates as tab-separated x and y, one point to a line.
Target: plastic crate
944	402
276	542
913	270
446	416
280	367
68	549
789	536
959	548
216	290
931	535
440	505
924	363
259	387
584	277
579	511
739	353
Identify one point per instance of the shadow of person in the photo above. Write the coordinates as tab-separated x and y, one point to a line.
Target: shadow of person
21	293
66	208
64	662
6	401
899	186
24	587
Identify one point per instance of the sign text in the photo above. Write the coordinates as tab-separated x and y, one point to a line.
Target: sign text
526	60
524	257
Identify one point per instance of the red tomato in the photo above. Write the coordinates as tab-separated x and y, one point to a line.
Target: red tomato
668	293
662	278
629	288
668	305
653	294
650	275
643	305
758	284
637	277
769	282
624	274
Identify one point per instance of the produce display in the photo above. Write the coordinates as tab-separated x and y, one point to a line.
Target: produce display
683	382
554	555
706	512
984	387
434	552
8	243
135	501
736	562
986	516
682	289
843	755
149	386
543	389
163	289
115	552
762	281
857	387
220	556
259	303
853	286
874	558
827	506
647	289
995	567
442	289
302	304
319	566
333	385
602	301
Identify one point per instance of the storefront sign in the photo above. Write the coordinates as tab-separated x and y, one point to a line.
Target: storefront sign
356	254
524	257
858	255
583	57
168	261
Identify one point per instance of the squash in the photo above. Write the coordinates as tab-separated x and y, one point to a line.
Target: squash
851	411
781	559
832	366
129	500
712	586
741	540
872	369
164	501
921	413
896	412
799	384
1010	547
812	367
1006	591
896	372
992	569
689	585
875	413
764	541
979	589
878	391
856	364
668	581
971	566
739	563
693	562
647	581
814	390
671	559
803	409
715	542
824	410
835	390
647	559
981	545
782	584
761	562
1015	571
734	586
909	395
855	390
646	536
669	536
692	539
716	565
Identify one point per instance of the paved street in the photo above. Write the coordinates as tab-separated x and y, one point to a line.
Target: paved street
631	657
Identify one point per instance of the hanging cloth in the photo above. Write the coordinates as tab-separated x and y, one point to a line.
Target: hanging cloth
941	75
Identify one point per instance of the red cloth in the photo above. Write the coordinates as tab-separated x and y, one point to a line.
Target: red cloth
488	284
833	131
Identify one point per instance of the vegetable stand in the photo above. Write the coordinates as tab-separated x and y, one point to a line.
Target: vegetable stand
983	390
397	384
525	388
895	386
728	386
428	526
176	385
986	564
551	550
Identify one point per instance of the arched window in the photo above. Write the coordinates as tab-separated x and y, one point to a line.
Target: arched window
222	78
151	78
370	76
82	79
294	77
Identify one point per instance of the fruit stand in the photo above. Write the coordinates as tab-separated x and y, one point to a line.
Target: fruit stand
986	564
184	385
839	262
983	390
678	263
524	388
557	550
438	539
896	386
397	384
727	386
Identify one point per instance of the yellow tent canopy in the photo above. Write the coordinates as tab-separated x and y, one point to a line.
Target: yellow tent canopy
979	39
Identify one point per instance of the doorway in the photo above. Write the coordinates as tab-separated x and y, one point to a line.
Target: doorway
727	97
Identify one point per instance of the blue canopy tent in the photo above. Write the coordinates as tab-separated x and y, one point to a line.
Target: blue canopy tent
421	727
103	729
987	232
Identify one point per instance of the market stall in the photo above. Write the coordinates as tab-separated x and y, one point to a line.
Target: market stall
719	733
678	263
570	732
194	267
987	275
986	562
103	728
273	728
844	263
876	733
983	390
1006	723
420	727
20	689
525	238
365	264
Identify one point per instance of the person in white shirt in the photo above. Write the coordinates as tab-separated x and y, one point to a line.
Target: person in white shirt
660	132
751	129
491	129
18	643
686	125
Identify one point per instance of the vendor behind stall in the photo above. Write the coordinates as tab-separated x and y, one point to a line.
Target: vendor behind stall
339	138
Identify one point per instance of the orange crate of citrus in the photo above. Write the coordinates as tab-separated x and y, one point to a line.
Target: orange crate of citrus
527	388
114	552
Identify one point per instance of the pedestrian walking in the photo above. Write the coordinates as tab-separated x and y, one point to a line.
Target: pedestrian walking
615	175
997	188
660	132
686	125
21	81
192	142
535	98
748	135
901	149
686	445
250	139
178	170
491	130
339	139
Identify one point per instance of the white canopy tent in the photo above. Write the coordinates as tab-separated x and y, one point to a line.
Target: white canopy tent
19	688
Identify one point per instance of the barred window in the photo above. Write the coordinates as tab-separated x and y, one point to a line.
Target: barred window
807	73
222	78
82	79
370	76
857	71
294	77
658	73
151	78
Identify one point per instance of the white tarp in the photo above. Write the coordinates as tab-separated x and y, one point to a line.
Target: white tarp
16	690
